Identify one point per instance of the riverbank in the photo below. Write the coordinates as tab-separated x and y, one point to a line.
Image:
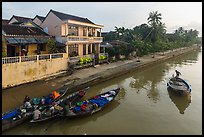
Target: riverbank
84	77
91	76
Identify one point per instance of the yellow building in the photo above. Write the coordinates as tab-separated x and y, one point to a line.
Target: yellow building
24	40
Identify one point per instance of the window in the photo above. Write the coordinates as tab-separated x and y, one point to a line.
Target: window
89	32
73	31
73	50
84	31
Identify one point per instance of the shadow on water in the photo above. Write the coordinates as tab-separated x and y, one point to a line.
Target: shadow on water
181	102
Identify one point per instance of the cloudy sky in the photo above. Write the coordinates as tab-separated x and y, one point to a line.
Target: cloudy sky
120	14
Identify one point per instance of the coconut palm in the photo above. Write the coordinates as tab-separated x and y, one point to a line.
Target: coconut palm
154	18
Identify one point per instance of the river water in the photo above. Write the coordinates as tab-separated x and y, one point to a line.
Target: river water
143	106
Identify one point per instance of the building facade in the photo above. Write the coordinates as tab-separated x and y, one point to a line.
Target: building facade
80	35
24	40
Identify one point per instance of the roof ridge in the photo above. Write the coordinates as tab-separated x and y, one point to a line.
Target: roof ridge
74	16
21	17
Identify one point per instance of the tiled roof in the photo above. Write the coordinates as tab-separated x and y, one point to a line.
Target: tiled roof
64	16
5	21
40	17
21	19
23	30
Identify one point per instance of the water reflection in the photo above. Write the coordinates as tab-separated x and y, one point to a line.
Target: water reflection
181	102
148	81
186	59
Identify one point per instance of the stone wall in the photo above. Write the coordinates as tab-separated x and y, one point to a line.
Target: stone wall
14	74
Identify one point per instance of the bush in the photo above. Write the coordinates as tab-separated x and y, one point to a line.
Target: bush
102	57
52	46
85	60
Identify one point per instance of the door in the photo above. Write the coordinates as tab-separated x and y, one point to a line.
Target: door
84	49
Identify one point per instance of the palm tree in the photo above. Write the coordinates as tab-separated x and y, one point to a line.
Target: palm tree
154	18
154	21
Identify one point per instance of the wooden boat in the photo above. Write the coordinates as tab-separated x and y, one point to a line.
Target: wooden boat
179	86
21	114
92	105
58	106
61	92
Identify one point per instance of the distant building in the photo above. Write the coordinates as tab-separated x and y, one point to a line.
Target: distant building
38	19
19	19
5	21
103	34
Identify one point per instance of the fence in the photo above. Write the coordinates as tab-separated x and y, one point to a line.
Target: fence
20	59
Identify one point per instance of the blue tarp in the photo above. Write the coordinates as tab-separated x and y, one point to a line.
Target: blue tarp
10	114
100	102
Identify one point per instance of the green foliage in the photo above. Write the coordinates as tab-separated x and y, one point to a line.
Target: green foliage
4	54
51	43
150	38
85	60
102	57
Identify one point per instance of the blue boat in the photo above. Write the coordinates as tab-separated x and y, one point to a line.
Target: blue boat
179	86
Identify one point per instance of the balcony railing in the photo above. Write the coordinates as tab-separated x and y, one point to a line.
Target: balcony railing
19	59
74	39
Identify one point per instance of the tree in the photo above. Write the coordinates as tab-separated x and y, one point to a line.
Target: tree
154	18
4	47
110	36
154	21
51	43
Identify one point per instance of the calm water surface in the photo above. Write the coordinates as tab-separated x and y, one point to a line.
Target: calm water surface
144	106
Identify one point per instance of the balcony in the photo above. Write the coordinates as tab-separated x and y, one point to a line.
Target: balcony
83	39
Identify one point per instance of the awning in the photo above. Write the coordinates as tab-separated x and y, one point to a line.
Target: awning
11	40
59	44
41	40
21	40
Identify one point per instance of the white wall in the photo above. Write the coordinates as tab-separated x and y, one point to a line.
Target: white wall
37	21
53	23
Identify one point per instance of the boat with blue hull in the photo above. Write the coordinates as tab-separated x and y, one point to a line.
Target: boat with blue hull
179	85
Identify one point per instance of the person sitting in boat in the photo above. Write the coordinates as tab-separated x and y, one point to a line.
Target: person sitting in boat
43	100
28	105
36	114
52	110
27	98
177	73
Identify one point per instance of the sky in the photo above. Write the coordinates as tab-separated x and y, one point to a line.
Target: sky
120	14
